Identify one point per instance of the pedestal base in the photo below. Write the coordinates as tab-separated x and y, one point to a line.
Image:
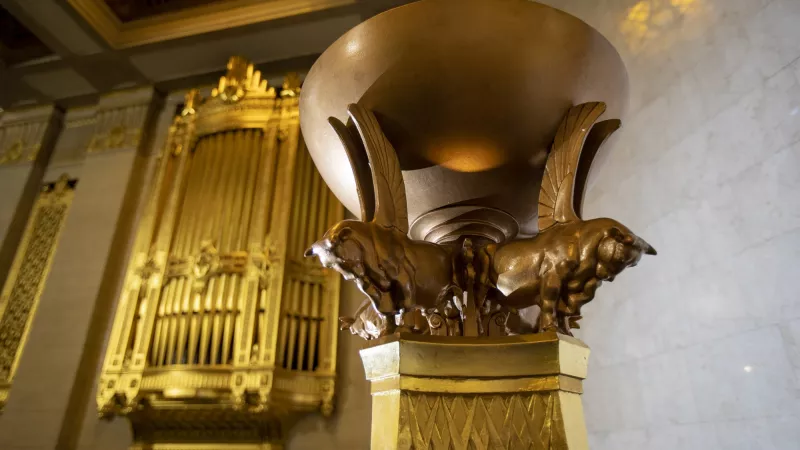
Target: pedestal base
442	393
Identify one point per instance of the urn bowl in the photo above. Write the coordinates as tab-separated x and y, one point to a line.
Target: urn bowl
470	93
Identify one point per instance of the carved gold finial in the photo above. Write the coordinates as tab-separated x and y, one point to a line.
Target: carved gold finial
291	85
241	79
193	99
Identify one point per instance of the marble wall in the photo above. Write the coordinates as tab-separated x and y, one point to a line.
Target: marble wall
699	347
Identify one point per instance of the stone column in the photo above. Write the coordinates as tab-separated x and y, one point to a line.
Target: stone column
57	369
442	393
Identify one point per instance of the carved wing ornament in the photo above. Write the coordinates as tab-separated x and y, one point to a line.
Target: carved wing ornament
359	162
558	182
388	193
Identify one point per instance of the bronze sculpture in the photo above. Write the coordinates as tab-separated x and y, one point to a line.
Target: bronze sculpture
393	271
469	194
558	270
561	268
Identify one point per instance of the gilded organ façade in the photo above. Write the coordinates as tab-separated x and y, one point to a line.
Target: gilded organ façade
218	331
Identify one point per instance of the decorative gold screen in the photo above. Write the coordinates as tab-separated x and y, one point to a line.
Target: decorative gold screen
28	275
222	321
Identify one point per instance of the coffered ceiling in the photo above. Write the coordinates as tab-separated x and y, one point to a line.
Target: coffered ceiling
70	51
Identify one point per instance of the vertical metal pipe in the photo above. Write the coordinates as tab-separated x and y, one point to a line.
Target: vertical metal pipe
235	220
285	320
172	329
292	336
205	322
210	194
314	323
227	187
194	324
166	301
297	231
253	162
186	290
303	319
216	317
312	212
188	210
155	344
227	326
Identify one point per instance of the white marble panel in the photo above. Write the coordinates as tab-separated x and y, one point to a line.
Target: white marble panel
745	376
707	169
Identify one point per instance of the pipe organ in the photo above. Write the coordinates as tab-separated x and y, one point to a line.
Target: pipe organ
224	333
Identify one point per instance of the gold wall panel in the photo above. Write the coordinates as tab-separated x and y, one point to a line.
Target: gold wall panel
222	325
28	275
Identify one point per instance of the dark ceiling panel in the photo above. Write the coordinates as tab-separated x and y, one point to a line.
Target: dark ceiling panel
128	10
17	43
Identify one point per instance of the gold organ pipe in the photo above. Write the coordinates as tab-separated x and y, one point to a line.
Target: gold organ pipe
194	324
296	231
245	195
237	152
224	187
169	321
157	331
163	322
227	326
203	224
253	162
205	324
182	324
189	210
292	338
204	153
325	221
310	227
249	293
288	293
216	325
314	324
302	318
258	235
228	187
168	179
212	196
173	319
223	199
272	159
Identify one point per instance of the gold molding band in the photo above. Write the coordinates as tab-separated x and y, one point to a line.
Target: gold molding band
478	385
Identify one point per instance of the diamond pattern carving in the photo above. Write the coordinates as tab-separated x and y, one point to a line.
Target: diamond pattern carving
530	421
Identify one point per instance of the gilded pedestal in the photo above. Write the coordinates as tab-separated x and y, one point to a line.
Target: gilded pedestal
442	393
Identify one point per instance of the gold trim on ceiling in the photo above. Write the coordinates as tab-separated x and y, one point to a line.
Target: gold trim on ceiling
192	21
